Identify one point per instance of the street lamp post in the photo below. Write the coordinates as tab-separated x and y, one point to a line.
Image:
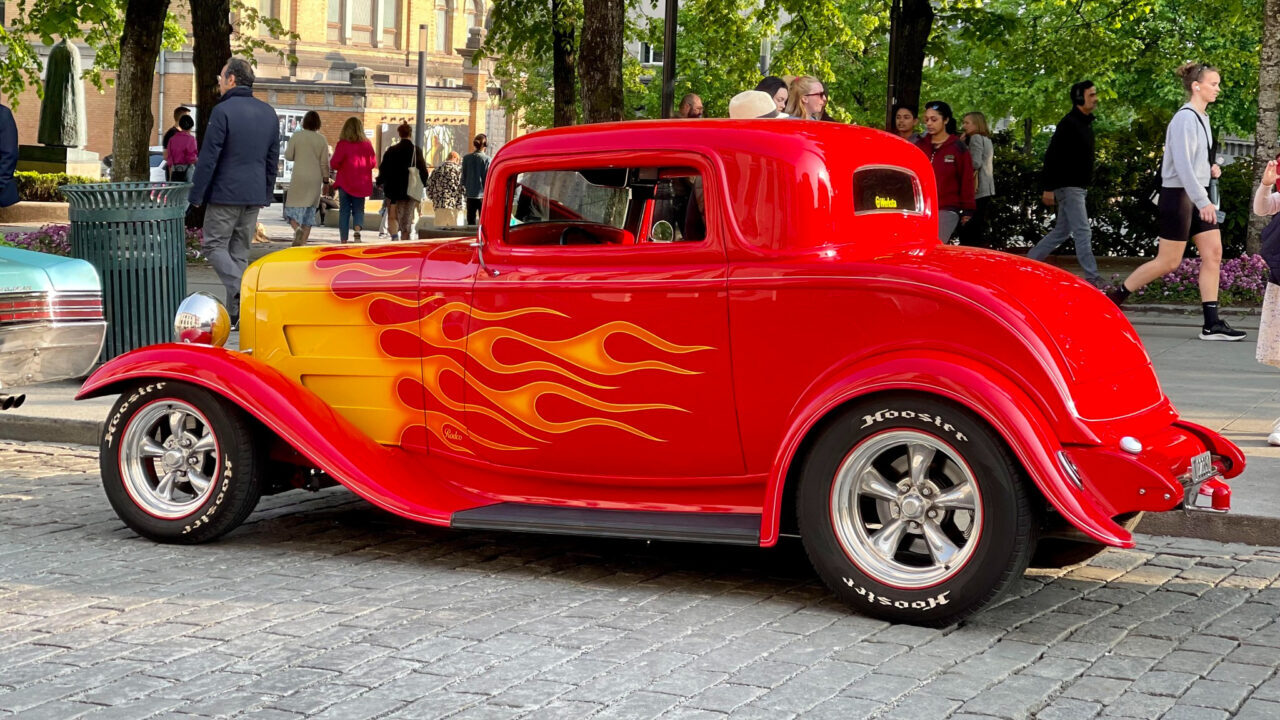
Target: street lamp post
420	118
669	58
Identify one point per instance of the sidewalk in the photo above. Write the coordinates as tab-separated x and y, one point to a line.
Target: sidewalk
1215	384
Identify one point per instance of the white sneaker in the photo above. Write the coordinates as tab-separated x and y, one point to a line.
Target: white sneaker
1274	438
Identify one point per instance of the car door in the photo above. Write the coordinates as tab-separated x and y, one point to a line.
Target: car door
594	348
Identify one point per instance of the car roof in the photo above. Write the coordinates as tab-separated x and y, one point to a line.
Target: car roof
788	183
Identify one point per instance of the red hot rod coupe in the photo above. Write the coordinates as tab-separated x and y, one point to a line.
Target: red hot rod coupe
722	331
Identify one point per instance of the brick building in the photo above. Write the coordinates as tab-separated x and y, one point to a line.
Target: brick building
354	57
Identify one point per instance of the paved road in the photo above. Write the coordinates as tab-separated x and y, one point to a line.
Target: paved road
322	606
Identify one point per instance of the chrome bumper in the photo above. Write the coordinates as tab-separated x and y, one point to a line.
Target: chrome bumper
44	351
1211	495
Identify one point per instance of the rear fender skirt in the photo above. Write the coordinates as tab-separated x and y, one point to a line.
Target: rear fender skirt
1228	457
389	477
990	395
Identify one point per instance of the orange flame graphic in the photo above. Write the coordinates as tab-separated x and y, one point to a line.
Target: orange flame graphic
416	328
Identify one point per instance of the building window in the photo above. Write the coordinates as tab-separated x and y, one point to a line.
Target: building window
361	21
391	23
473	17
650	55
334	32
267	9
444	31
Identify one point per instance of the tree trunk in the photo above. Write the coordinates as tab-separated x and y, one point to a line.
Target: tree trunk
1268	110
600	60
139	50
910	36
211	49
564	74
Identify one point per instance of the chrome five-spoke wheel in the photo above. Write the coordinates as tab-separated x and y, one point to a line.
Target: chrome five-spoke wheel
913	509
179	462
906	509
168	458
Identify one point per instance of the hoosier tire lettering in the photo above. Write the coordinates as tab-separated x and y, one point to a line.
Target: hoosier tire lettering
928	419
157	495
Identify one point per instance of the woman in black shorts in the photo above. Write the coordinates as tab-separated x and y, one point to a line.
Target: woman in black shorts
1185	210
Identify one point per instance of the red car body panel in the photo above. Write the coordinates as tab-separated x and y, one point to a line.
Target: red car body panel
687	376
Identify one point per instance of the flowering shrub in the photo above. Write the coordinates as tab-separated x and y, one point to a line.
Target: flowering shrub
52	239
56	240
1244	282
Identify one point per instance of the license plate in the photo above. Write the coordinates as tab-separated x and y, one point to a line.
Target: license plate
1202	467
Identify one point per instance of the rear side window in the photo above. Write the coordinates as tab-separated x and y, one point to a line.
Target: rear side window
884	189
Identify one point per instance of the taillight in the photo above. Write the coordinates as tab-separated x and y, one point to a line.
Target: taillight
49	307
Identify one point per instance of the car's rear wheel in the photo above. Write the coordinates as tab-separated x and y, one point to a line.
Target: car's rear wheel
913	510
178	463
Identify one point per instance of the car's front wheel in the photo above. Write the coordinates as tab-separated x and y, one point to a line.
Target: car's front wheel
913	510
178	463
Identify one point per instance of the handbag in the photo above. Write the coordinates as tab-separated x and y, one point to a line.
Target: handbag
415	188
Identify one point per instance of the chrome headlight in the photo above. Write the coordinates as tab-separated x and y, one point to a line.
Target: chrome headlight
202	320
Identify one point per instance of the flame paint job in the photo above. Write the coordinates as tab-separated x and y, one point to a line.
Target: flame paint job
686	376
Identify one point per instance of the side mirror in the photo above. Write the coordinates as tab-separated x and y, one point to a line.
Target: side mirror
662	232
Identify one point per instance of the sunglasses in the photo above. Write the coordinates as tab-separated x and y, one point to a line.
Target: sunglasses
822	94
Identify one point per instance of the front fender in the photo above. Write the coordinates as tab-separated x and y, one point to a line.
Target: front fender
1009	410
389	477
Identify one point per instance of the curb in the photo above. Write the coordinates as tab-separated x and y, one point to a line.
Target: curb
1220	527
52	430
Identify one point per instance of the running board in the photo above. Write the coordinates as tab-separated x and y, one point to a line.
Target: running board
722	528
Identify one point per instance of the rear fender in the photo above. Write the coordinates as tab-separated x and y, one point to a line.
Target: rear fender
389	477
1007	408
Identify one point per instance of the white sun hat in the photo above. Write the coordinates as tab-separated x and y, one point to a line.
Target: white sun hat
753	104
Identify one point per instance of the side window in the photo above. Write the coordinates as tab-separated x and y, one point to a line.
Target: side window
882	189
605	206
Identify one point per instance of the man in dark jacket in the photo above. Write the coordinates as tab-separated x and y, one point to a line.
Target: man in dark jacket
1067	175
8	157
235	175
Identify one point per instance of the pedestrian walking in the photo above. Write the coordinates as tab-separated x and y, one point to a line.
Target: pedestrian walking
1065	181
807	98
309	153
1266	202
981	150
905	124
182	151
402	164
776	88
8	157
178	113
690	106
444	188
475	167
353	163
952	167
1185	212
235	175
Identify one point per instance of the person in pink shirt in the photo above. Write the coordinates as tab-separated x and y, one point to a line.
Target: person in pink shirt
1266	201
182	151
353	163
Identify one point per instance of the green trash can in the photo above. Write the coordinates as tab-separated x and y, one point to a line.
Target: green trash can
134	234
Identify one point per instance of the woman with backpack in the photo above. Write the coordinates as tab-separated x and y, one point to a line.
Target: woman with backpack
402	195
1186	214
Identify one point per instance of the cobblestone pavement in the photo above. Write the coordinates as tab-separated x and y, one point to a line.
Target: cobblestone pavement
322	606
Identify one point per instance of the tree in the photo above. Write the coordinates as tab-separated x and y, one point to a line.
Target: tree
1268	112
534	46
909	36
210	51
600	60
139	50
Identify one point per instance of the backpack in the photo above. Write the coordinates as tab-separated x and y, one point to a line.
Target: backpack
1270	250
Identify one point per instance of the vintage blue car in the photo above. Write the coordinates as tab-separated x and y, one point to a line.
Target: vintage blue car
51	320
